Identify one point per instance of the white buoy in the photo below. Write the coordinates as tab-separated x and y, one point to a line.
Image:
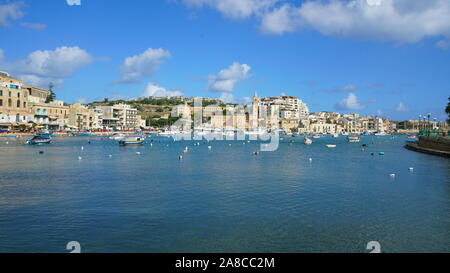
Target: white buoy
209	147
392	175
180	157
110	155
151	144
410	169
79	158
7	142
138	153
82	148
310	159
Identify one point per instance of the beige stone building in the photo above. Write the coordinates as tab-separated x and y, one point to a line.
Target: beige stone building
83	118
53	115
14	108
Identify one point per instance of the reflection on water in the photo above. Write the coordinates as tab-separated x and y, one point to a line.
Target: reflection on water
222	200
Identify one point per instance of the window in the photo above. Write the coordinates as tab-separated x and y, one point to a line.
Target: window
18	104
9	102
24	104
18	95
1	102
10	93
1	92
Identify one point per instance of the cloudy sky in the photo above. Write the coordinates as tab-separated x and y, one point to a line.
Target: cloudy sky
384	57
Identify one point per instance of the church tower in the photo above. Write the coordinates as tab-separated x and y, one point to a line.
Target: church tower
255	112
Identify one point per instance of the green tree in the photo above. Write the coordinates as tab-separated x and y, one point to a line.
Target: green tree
52	95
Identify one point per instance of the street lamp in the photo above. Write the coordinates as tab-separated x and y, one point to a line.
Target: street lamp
428	125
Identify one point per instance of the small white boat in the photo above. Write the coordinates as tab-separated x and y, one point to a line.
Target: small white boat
133	140
331	146
335	135
117	136
307	141
345	134
316	136
353	139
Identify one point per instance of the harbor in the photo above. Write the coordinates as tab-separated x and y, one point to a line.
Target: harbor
221	197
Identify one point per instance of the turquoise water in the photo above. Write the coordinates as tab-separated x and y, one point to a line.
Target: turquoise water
222	200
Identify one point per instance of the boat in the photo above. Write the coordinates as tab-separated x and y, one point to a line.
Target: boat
307	141
353	139
331	146
38	139
45	133
82	134
345	134
381	134
316	136
412	137
117	136
132	140
335	135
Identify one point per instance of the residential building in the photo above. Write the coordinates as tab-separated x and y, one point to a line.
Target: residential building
14	106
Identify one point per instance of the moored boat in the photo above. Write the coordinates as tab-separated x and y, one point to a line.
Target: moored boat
353	139
132	140
117	136
39	139
307	141
331	145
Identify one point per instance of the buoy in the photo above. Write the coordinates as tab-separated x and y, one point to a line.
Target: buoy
381	153
82	148
79	158
151	144
138	153
209	147
392	175
7	142
180	157
310	159
110	155
410	169
41	152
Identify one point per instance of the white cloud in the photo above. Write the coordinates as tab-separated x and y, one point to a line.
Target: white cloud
142	65
443	44
73	2
401	107
404	21
349	103
82	100
153	90
399	21
235	9
227	97
10	11
34	26
226	79
44	66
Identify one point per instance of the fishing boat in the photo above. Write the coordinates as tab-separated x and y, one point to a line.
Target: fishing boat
38	139
353	139
307	141
132	140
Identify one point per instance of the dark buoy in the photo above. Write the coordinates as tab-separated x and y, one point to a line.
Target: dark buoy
41	152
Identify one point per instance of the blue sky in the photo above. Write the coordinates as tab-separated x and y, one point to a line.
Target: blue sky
343	61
